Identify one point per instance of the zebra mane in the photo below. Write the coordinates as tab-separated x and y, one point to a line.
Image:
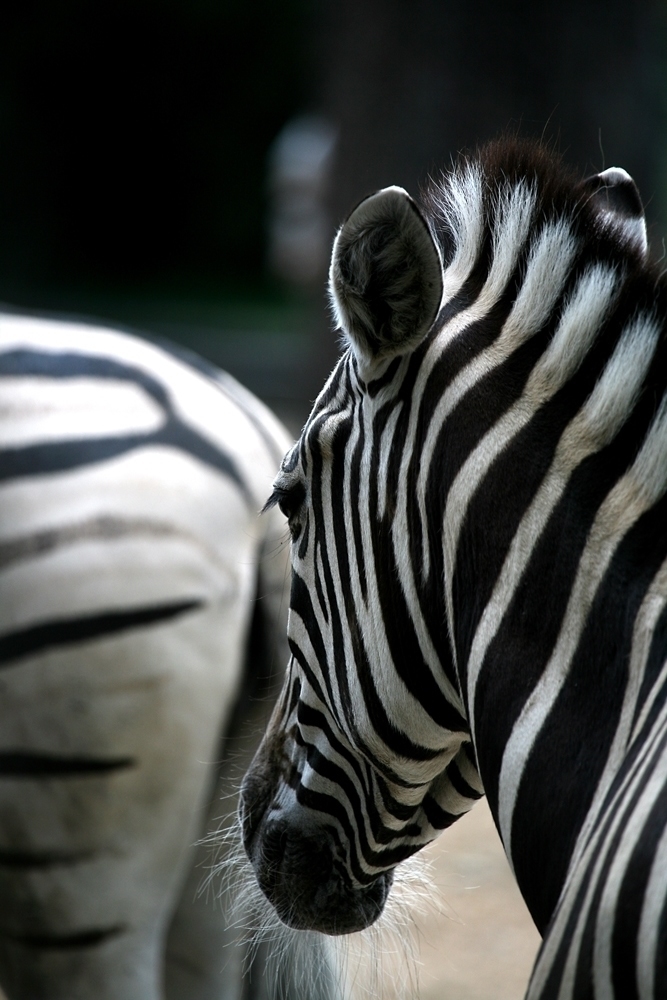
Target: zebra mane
604	211
515	209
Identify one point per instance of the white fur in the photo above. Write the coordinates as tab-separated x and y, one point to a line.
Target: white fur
36	410
461	206
583	314
632	231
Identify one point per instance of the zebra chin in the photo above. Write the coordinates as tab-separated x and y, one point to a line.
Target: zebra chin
296	867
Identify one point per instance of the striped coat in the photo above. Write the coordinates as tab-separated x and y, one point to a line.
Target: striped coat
478	510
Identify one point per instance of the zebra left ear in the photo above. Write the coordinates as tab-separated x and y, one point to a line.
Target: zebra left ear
617	198
385	279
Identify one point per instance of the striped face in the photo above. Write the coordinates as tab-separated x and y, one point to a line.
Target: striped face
349	784
405	513
366	758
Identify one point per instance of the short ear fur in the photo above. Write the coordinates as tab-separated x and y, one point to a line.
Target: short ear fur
385	278
617	198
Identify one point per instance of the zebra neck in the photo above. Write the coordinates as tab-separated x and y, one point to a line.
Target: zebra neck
539	542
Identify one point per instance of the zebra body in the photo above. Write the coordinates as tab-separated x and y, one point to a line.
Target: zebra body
142	607
478	510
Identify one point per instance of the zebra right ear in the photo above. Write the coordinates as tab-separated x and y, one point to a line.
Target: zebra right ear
385	279
616	197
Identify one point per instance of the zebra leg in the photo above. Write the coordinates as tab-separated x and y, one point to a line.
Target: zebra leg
206	959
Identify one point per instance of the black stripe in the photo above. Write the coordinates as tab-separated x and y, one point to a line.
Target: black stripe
377	384
104	527
598	875
26	642
73	364
397	741
63	942
365	809
627	917
19	764
354	473
438	817
224	383
396	809
551	813
59	456
63	455
459	783
379	860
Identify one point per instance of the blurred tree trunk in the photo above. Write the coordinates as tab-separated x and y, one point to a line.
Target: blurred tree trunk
410	82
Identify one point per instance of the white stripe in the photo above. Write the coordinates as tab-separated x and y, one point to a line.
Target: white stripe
386	445
651	608
584	435
461	203
35	410
635	493
553	254
596	854
605	922
649	924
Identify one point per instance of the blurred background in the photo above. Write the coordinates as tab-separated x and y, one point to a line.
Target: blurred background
178	167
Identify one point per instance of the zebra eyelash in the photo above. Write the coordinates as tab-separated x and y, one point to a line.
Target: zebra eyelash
288	499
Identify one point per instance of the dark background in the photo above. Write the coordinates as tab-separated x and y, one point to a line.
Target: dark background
134	139
134	135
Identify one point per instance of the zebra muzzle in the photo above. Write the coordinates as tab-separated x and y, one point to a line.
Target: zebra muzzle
297	865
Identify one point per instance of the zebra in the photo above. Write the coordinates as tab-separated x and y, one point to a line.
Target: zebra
142	614
478	515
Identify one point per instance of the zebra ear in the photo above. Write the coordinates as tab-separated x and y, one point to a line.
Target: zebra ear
617	199
385	279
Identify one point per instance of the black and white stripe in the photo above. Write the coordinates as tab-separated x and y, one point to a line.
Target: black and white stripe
478	509
142	618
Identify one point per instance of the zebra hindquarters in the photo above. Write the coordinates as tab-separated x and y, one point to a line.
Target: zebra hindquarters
131	554
122	634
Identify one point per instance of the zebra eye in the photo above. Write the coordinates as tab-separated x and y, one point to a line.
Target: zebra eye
288	499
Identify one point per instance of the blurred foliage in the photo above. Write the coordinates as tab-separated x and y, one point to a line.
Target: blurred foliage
133	136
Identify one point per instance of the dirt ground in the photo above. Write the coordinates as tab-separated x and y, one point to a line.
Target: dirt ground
482	943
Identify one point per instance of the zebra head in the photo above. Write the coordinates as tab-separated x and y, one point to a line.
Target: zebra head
369	754
340	791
